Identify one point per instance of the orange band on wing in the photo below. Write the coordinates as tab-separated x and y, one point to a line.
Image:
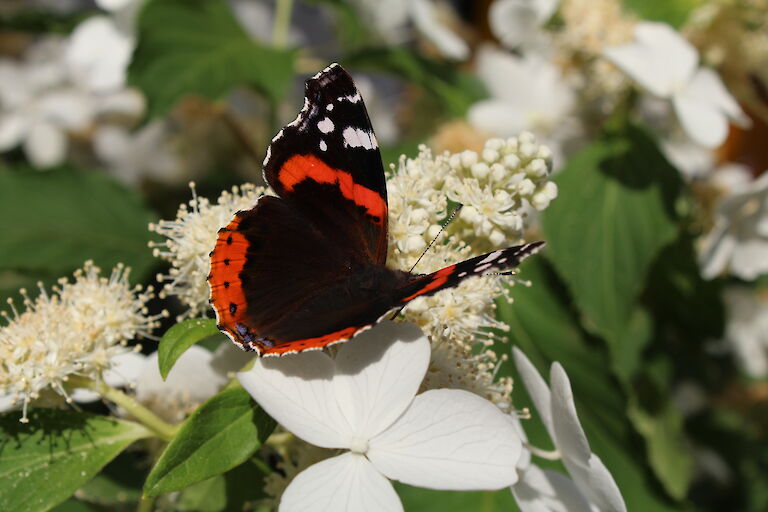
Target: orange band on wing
439	278
227	261
308	167
318	342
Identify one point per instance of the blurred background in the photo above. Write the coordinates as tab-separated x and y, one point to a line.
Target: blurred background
653	293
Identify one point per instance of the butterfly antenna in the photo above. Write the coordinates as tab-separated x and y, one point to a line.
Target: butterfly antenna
442	228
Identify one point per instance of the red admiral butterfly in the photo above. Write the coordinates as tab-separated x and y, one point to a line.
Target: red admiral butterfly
307	268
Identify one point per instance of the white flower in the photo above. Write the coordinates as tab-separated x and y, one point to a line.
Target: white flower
190	239
746	329
739	239
365	401
518	23
390	20
558	413
98	54
429	18
527	93
77	330
667	66
40	106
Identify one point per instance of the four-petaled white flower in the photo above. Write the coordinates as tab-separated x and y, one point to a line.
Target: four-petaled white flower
365	401
557	411
739	239
667	66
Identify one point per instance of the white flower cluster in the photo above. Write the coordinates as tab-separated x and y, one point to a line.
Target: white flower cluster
190	237
76	330
497	187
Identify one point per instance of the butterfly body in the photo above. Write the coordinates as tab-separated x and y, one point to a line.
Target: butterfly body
307	268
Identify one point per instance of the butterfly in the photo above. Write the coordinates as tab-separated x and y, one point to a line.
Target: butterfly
307	268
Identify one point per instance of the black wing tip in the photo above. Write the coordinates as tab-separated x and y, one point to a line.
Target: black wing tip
333	75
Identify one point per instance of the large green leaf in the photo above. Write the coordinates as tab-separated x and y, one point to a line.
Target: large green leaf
46	460
221	434
546	330
179	338
198	47
51	222
614	213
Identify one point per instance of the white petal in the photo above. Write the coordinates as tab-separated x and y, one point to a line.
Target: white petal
128	102
515	22
8	403
497	117
537	388
541	490
125	369
717	249
191	379
659	59
702	121
750	258
570	438
68	108
12	129
297	391
378	374
426	19
83	396
114	5
706	85
597	485
449	439
347	483
98	54
45	145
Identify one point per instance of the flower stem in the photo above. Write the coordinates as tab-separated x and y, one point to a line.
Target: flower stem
145	504
544	454
149	419
282	23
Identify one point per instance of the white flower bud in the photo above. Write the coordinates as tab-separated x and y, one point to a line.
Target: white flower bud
480	170
468	158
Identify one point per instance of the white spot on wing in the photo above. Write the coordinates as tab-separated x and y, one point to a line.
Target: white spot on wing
352	99
325	126
357	138
329	107
462	274
323	145
490	257
483	268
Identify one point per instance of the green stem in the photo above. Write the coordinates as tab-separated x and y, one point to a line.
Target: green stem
145	504
149	419
282	23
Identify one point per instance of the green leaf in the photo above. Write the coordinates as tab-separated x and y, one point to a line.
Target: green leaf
674	12
668	451
428	500
179	338
51	222
227	492
221	434
118	485
46	460
455	89
198	47
544	327
614	213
